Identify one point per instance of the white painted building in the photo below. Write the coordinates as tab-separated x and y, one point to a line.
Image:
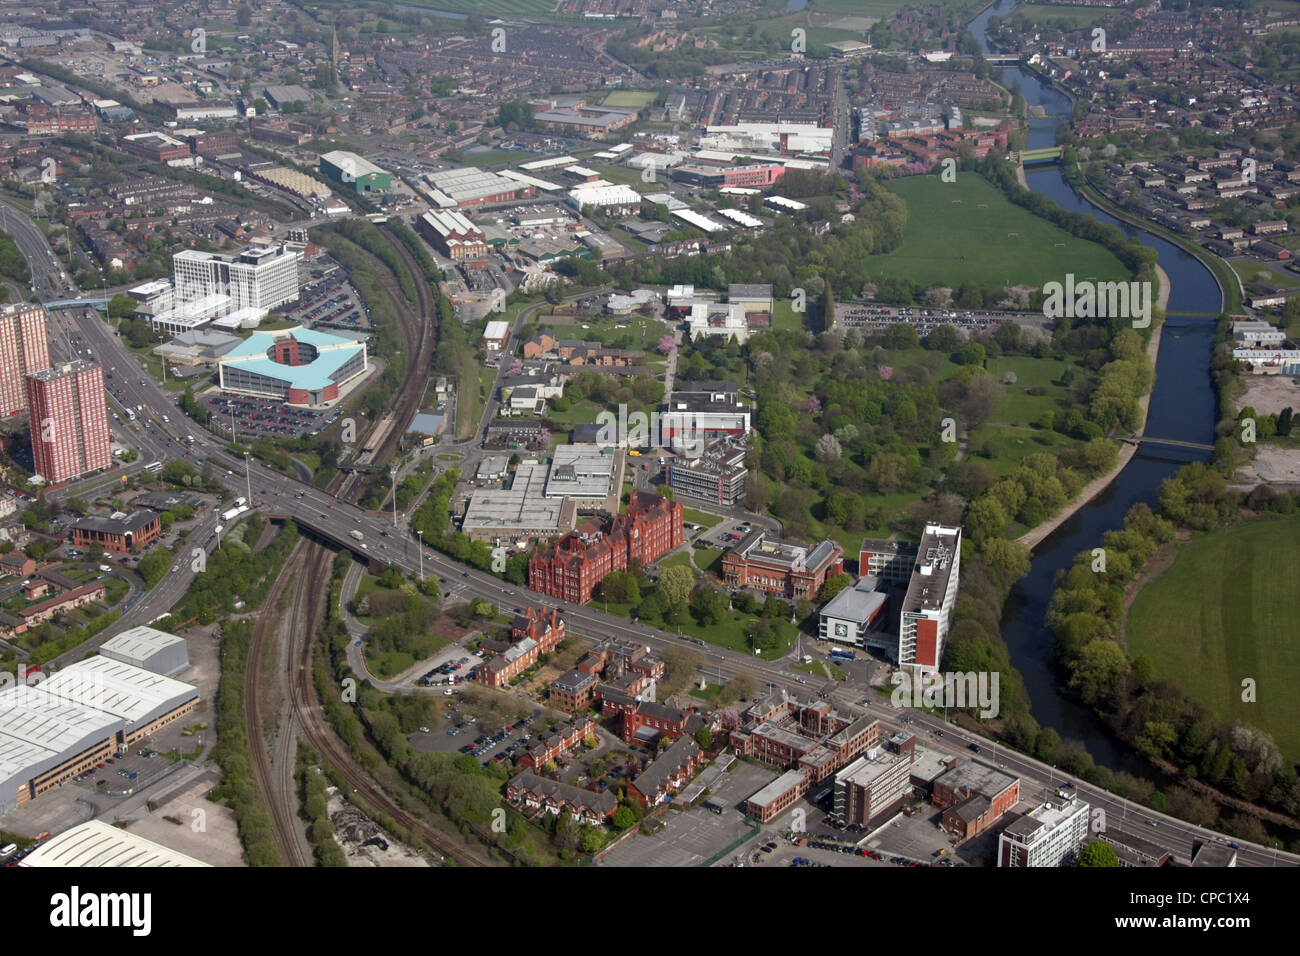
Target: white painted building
1048	835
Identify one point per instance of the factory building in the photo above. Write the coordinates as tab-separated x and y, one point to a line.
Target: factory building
355	172
149	649
96	843
53	731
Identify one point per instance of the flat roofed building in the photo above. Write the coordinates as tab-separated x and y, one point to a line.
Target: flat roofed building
584	472
69	420
876	781
848	617
258	277
973	796
24	348
887	561
493	468
717	475
615	199
522	510
778	796
701	412
754	297
148	648
1048	835
926	611
96	843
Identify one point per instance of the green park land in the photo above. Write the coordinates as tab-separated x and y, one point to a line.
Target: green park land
1223	612
967	231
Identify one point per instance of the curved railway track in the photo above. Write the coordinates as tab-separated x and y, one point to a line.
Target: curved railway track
418	341
288	839
309	716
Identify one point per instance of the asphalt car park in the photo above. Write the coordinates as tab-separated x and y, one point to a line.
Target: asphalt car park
265	417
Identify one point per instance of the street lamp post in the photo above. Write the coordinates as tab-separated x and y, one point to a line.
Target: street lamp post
392	473
249	479
421	536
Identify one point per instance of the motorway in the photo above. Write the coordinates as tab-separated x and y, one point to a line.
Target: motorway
320	513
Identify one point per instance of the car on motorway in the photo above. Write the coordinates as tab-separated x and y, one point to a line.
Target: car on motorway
1152	823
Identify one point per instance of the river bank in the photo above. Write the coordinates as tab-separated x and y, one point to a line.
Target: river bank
1092	489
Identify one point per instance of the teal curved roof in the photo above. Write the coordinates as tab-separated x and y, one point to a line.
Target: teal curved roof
250	355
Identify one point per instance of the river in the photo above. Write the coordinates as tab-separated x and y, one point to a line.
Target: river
1182	407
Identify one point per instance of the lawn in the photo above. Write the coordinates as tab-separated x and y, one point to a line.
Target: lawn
818	669
494	157
678	559
785	317
637	332
691	516
578	413
633	99
1249	269
709	560
1225	611
968	231
1000	448
1076	18
484	7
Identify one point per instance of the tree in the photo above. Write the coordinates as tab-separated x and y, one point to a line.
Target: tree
120	306
1097	853
592	839
828	449
834	585
154	565
624	817
943	339
704	737
675	584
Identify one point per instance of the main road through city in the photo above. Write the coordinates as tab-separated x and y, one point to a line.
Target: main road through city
332	519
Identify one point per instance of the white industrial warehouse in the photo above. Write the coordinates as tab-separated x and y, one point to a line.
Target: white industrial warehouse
52	731
96	843
149	648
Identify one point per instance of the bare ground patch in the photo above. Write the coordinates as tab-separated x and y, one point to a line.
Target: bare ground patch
1272	464
1268	394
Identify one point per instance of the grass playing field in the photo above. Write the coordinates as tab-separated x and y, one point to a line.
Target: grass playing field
1224	611
634	99
1075	17
968	231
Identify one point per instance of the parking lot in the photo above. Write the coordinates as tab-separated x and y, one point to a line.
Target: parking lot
915	838
880	317
331	304
266	417
690	837
466	735
724	535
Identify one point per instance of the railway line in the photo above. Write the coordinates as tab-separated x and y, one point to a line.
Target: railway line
309	716
279	798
